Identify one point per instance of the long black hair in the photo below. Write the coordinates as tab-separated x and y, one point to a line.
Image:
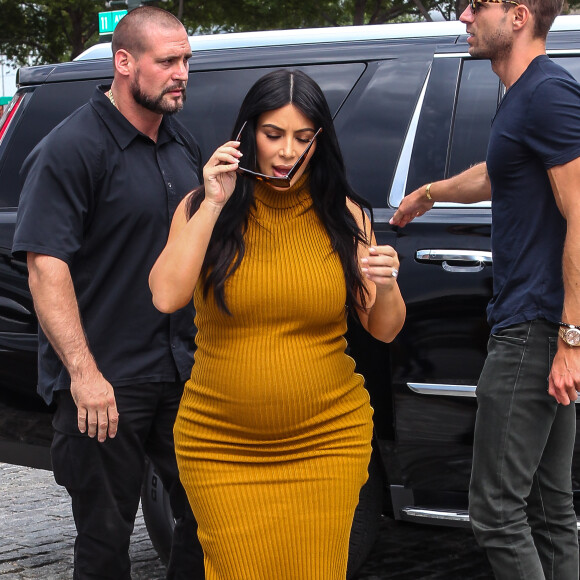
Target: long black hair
329	187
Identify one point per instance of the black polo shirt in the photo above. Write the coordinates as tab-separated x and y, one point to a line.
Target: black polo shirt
99	195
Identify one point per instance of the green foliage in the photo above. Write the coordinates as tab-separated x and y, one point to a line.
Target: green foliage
47	31
245	15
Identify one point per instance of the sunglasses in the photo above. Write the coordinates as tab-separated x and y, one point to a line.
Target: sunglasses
276	181
475	4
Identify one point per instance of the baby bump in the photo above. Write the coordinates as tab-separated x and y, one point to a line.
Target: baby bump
275	399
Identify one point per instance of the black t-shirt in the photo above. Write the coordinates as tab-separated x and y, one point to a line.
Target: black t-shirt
536	127
100	195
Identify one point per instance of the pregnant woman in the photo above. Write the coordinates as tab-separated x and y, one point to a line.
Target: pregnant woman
273	436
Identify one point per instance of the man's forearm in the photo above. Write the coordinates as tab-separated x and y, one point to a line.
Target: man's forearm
571	275
470	186
564	180
58	314
564	379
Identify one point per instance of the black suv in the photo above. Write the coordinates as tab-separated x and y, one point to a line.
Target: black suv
410	106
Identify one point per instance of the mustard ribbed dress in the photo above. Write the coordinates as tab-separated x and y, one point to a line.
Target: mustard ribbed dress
273	435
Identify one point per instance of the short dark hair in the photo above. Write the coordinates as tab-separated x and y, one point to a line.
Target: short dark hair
130	34
544	13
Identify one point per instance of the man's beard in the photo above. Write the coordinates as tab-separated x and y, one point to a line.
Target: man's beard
157	104
497	46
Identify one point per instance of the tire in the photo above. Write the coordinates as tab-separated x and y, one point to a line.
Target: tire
157	512
160	523
367	517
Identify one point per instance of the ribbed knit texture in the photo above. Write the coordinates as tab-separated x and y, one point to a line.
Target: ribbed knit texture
273	433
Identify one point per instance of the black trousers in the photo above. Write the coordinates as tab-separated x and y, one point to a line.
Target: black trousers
104	481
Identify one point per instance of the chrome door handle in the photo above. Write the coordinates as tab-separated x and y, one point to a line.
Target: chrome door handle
447	257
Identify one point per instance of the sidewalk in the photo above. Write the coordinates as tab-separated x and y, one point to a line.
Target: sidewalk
37	530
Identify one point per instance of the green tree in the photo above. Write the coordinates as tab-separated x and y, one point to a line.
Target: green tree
45	31
279	14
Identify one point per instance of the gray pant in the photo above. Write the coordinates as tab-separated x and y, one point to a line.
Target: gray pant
520	498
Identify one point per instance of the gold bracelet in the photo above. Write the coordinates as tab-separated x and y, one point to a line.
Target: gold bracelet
428	191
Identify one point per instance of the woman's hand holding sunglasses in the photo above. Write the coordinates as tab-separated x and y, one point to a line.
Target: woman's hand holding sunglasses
219	173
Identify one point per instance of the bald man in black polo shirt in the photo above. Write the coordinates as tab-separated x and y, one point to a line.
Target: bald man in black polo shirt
96	206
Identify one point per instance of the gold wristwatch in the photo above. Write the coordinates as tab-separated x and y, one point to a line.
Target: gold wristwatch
570	334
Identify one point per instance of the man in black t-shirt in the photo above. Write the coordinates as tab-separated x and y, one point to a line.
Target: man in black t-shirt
520	500
99	194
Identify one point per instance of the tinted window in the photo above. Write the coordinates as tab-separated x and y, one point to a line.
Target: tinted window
572	64
453	131
50	104
430	138
477	102
372	125
214	97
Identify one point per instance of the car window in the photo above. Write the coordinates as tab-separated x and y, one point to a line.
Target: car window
52	102
570	63
214	97
373	123
477	102
425	151
478	98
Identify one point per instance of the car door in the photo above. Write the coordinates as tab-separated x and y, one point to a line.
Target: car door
445	278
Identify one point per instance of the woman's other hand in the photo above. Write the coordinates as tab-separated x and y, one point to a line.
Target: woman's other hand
381	266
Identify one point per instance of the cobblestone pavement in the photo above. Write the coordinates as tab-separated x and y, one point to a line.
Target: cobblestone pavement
37	530
37	534
406	551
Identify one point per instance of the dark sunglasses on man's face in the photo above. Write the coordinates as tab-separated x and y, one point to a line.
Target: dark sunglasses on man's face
475	4
274	180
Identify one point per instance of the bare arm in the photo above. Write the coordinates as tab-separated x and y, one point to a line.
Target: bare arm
385	310
564	379
175	273
470	186
58	314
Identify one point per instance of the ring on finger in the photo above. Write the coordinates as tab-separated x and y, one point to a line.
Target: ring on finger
394	272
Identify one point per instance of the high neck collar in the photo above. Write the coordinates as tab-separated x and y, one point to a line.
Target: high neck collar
295	195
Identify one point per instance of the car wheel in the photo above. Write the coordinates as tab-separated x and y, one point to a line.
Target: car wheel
157	512
367	517
160	523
